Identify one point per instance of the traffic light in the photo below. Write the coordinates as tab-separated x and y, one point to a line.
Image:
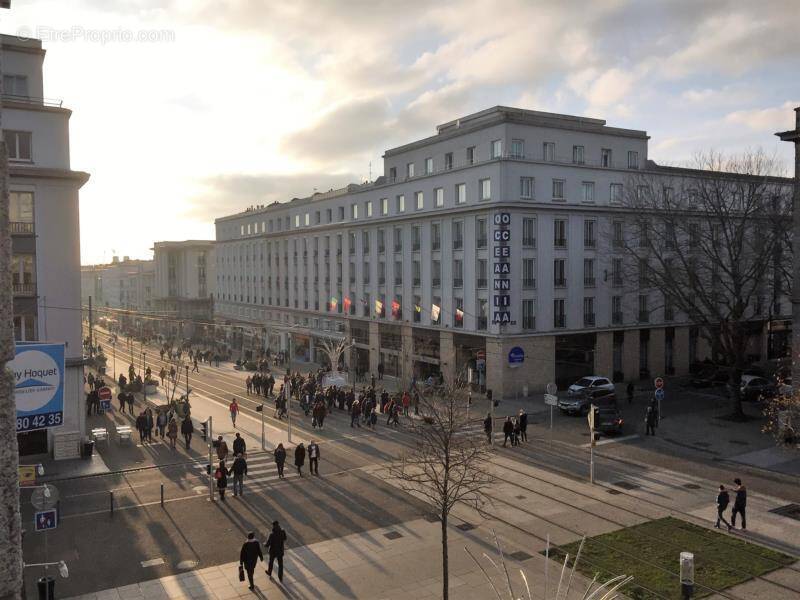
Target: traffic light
260	408
204	429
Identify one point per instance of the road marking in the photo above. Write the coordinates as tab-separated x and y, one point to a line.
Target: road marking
611	440
153	562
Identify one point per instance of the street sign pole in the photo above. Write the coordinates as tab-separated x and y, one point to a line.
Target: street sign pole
263	445
288	411
591	443
210	462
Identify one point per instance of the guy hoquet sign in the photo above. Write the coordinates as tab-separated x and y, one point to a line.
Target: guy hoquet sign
38	371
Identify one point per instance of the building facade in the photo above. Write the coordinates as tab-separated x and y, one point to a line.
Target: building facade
43	194
484	250
123	284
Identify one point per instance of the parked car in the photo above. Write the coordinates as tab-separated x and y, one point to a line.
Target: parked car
609	420
579	405
591	382
711	377
753	388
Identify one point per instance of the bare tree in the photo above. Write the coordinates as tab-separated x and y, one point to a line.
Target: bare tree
448	464
334	349
706	245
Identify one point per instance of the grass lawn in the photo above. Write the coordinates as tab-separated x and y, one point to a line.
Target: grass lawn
650	552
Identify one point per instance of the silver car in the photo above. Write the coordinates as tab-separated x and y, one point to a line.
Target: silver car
590	383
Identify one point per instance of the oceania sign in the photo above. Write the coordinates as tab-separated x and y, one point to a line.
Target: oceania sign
38	385
501	269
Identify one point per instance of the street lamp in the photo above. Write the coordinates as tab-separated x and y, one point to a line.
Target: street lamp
687	574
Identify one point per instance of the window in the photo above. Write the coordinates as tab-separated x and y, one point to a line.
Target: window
436	236
669	309
351	242
306	220
577	155
341	213
19	144
587	192
392	174
458	235
644	314
328	217
15	85
482	273
526	186
461	193
480	233
617	240
352	274
486	189
401	203
560	233
398	239
354	211
384	206
365	273
633	159
368	208
436	273
471	155
549	151
438	197
616	272
296	223
410	170
560	272
588	311
415	238
558	189
398	272
616	310
381	241
529	314
559	313
528	273
669	236
497	148
23	274
517	149
448	161
694	235
605	157
529	232
643	272
428	166
458	313
381	273
420	200
589	238
588	272
416	272
417	309
616	193
365	242
458	273
483	314
21	212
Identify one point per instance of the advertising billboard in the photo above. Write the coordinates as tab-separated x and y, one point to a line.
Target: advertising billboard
38	371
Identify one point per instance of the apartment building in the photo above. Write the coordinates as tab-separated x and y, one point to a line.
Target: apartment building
122	284
484	249
43	194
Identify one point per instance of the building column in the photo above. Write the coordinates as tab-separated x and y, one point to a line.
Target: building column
447	356
630	355
604	354
374	347
407	365
680	351
656	352
494	366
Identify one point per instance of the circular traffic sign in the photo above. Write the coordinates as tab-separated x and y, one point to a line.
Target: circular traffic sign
659	383
45	497
104	393
552	388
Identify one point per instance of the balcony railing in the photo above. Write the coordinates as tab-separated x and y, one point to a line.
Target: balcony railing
529	242
436	245
458	244
529	284
24	289
644	316
482	282
436	281
560	282
52	102
458	283
588	282
21	227
481	243
559	321
416	281
588	319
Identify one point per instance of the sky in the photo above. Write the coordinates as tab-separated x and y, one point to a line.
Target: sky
188	110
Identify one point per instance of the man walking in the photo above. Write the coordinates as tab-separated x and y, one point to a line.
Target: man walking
508	431
195	368
249	556
313	458
723	499
487	428
239	469
187	429
650	420
234	410
275	544
739	504
239	445
523	425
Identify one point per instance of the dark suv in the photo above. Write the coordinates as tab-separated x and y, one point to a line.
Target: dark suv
579	405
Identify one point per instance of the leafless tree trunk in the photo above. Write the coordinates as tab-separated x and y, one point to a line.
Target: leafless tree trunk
448	464
334	349
700	245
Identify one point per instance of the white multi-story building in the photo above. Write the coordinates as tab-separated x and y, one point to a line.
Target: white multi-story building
483	247
123	284
43	192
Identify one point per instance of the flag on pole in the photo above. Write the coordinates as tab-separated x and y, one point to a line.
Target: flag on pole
459	315
418	308
347	304
395	309
333	302
435	312
378	307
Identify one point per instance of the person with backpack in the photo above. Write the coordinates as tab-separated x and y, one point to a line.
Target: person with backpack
723	499
275	545
280	459
249	556
221	475
239	470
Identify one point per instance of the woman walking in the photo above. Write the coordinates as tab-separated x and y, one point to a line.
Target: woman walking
300	458
280	459
221	475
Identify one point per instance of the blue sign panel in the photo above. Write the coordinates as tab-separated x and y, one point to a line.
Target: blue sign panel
46	519
38	385
659	394
516	356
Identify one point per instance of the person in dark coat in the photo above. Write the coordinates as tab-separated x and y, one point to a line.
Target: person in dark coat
239	470
508	431
275	547
313	458
221	475
280	459
249	556
187	429
523	425
300	458
487	428
739	504
723	499
650	420
239	446
141	427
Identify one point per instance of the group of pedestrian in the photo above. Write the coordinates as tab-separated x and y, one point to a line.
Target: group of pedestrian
739	505
165	425
251	553
515	429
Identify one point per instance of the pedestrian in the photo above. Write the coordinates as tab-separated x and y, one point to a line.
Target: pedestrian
162	374
239	470
318	414
313	458
523	425
248	384
172	432
723	499
300	458
487	428
161	423
406	402
275	545
221	475
739	504
380	372
630	390
222	448
187	429
280	459
131	398
234	410
372	380
249	556
239	445
195	369
141	427
508	431
516	434
355	413
150	424
650	420
123	400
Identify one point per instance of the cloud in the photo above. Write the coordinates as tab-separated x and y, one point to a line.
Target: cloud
768	120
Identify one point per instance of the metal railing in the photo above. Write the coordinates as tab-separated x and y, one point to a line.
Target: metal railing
24	289
21	227
33	100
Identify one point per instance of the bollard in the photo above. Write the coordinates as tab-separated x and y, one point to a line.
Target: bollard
162	494
111	501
